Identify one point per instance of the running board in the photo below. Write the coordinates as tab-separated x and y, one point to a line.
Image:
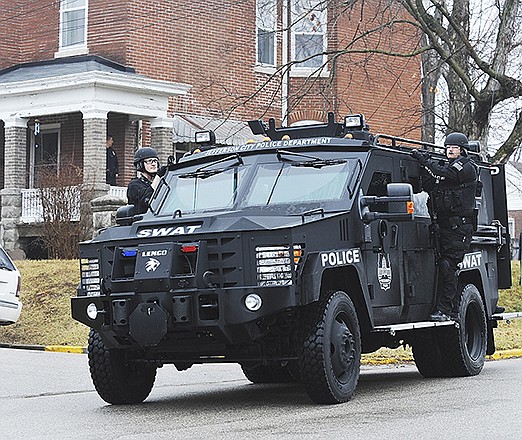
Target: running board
393	328
506	316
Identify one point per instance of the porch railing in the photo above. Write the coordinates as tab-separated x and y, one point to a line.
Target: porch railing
32	208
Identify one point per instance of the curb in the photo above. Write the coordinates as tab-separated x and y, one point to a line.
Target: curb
498	355
501	354
505	354
55	348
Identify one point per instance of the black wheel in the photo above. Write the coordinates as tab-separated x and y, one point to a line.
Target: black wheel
117	380
427	354
467	344
330	356
271	373
455	351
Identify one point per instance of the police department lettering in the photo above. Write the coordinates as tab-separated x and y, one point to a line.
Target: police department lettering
171	230
263	145
341	257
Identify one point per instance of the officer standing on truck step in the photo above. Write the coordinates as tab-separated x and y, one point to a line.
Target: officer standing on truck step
451	187
141	188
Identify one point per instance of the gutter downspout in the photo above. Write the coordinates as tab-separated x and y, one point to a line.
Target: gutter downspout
284	61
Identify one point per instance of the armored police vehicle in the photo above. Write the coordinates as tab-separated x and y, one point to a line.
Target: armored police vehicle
292	257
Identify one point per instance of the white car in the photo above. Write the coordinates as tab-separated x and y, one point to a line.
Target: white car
10	305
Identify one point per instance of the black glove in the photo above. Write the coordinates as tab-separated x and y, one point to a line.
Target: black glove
422	156
162	171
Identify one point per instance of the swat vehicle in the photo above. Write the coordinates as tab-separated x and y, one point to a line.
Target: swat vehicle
292	257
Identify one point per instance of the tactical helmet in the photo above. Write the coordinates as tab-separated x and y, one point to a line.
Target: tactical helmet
142	154
459	139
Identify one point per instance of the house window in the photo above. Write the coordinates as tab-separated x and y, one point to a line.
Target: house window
308	32
73	23
266	24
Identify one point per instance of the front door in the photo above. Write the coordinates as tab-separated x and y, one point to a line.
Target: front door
45	157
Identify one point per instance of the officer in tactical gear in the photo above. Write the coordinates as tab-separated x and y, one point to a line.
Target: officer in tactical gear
140	189
451	186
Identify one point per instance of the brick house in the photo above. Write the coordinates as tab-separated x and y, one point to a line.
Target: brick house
153	73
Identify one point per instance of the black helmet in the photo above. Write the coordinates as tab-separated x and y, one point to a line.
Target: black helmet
459	139
142	154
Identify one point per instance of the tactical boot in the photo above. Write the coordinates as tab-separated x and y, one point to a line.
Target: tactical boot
439	316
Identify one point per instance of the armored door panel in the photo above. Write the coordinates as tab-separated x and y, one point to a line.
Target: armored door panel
381	249
418	249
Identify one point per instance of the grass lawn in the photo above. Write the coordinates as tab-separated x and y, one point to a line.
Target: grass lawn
48	285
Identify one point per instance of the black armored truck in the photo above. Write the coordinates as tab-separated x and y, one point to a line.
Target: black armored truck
291	256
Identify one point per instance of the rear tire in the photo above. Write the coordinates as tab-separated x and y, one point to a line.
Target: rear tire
452	351
467	344
330	356
117	380
271	373
427	354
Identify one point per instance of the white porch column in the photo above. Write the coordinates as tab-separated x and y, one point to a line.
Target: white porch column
161	137
15	175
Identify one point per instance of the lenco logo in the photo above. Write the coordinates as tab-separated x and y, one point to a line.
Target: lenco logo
167	231
152	265
158	253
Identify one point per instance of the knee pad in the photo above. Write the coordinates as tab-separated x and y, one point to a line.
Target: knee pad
446	266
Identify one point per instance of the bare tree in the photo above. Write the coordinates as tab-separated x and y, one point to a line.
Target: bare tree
64	221
470	64
482	70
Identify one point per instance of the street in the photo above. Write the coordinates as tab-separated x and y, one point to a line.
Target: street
45	395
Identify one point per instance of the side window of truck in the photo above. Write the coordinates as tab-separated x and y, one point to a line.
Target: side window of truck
378	188
411	174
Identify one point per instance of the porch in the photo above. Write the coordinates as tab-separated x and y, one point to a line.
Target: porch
79	101
32	207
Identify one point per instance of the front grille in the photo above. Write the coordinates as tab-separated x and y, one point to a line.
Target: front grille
224	261
217	256
90	276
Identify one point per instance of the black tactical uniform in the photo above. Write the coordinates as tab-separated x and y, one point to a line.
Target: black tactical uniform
451	186
139	189
139	192
112	166
112	170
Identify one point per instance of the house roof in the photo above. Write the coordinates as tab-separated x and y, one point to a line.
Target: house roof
227	131
89	84
62	66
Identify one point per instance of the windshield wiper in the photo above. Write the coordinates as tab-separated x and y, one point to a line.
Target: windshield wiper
280	157
319	163
314	161
204	173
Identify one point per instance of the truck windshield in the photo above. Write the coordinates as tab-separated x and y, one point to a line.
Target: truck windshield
289	183
203	191
267	184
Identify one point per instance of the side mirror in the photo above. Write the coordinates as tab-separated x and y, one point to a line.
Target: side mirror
399	201
125	215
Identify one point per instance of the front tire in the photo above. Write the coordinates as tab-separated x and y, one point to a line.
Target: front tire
117	380
330	356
